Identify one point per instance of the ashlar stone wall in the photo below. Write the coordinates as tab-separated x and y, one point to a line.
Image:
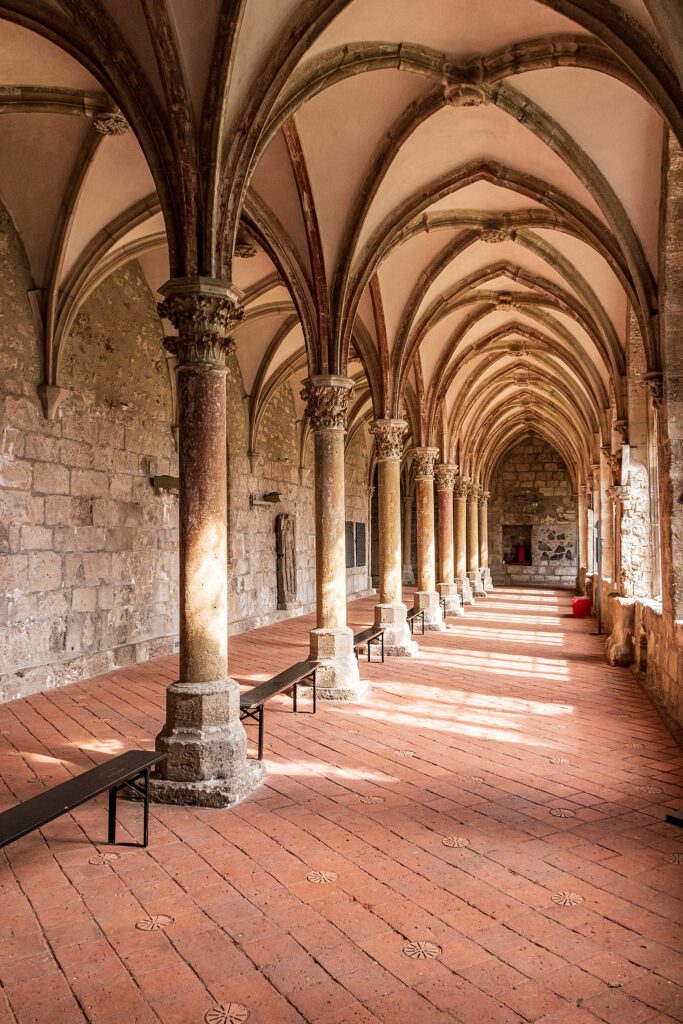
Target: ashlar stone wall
531	487
273	467
88	551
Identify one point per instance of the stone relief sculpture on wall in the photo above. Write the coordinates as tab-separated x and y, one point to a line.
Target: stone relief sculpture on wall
286	561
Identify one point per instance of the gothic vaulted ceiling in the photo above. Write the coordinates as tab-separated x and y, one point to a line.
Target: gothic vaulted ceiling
455	203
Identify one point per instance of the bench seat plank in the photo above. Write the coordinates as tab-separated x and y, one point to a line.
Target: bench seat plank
25	817
373	633
278	684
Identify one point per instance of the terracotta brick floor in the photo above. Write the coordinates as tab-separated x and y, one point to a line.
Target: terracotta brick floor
504	767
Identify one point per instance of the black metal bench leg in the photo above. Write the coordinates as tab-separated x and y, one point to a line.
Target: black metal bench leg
145	830
295	694
382	639
260	732
111	835
315	695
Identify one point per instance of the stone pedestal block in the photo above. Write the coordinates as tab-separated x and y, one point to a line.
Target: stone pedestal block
464	590
205	746
487	580
428	601
620	648
449	591
476	583
337	677
397	638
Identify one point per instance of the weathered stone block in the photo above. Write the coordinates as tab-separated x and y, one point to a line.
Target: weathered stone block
44	571
49	478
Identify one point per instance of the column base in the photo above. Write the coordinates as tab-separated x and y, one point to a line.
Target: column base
206	747
486	579
209	792
464	590
337	676
449	591
408	577
428	601
476	583
397	640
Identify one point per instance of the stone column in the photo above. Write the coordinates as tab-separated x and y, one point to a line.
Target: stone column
391	611
460	492
408	570
448	590
483	502
582	529
203	738
473	573
327	399
607	513
427	596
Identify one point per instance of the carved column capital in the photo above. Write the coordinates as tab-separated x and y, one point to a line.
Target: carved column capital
423	462
621	428
461	487
445	474
327	400
389	435
619	493
654	381
473	492
483	497
203	311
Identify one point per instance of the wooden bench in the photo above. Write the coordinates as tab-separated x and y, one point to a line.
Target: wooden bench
251	702
414	614
375	634
130	770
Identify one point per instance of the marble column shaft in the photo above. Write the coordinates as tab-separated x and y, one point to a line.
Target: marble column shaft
448	590
427	596
484	530
407	549
460	493
473	529
473	571
203	738
327	399
391	611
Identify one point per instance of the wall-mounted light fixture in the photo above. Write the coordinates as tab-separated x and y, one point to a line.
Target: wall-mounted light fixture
165	483
271	498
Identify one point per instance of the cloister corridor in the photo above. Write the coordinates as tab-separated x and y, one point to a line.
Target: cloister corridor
500	798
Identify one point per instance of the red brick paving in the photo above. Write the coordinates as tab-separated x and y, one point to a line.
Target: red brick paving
457	742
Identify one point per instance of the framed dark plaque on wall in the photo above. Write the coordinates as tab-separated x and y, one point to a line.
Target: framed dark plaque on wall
360	544
350	548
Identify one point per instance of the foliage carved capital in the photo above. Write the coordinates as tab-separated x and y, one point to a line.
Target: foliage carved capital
203	312
483	497
327	401
445	475
461	487
389	436
424	460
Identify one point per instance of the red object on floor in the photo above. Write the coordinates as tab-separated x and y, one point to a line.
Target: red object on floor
581	607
